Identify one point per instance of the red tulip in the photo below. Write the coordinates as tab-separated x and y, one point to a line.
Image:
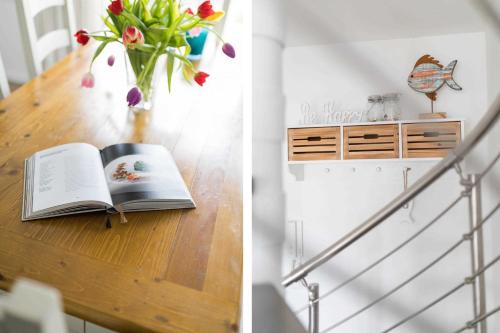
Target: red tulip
88	80
189	11
200	78
116	7
205	9
132	36
82	36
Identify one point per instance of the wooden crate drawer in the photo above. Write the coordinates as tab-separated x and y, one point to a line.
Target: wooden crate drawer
314	143
430	139
371	141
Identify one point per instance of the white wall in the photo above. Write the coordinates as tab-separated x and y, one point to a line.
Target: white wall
267	130
349	72
493	62
331	202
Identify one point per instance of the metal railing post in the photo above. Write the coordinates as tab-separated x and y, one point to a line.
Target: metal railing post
477	250
313	289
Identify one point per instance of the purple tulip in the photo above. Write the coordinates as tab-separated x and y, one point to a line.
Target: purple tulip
111	60
134	97
228	50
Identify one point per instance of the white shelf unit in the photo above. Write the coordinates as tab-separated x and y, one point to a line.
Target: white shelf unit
297	167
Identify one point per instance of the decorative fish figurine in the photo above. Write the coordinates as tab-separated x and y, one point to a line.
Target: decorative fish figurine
428	76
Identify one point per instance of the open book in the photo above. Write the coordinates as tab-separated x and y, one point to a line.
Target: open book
78	178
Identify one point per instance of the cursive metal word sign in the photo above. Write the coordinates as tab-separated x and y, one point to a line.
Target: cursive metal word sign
331	112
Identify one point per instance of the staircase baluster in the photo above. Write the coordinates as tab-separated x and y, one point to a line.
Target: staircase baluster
477	251
313	289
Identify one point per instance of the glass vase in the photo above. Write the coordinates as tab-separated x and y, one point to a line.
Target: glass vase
375	108
142	73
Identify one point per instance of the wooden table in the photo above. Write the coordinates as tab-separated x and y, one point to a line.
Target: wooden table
169	271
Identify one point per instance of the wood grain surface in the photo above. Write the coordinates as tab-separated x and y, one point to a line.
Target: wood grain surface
168	271
371	141
430	139
314	143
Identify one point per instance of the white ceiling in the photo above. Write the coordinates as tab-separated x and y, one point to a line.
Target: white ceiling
312	22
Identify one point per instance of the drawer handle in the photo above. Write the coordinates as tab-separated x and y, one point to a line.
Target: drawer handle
314	138
431	134
370	136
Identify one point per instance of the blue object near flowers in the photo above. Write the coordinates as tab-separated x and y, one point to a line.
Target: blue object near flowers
197	44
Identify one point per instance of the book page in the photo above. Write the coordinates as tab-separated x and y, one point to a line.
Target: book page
67	174
142	172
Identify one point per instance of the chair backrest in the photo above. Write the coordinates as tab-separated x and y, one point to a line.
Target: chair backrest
4	85
32	307
37	49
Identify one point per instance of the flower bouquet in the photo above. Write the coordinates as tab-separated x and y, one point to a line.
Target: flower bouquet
149	30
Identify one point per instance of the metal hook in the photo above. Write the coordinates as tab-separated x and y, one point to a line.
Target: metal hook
458	169
294	261
299	242
405	181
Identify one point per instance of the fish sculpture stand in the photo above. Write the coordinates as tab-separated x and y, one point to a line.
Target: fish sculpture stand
428	76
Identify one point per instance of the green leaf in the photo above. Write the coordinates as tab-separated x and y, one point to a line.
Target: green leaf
148	48
187	73
146	14
98	52
158	7
190	24
149	66
134	20
104	38
170	11
159	10
117	22
110	26
170	69
135	8
175	10
156	34
174	26
151	21
187	51
188	63
179	40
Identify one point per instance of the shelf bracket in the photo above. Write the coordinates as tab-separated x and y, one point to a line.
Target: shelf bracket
297	170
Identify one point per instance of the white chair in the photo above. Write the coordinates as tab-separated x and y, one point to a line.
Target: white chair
4	85
38	49
32	307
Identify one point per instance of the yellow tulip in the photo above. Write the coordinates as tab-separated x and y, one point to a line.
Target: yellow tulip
215	16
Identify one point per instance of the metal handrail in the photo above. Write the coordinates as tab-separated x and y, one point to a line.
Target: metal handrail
466	281
475	321
466	237
456	156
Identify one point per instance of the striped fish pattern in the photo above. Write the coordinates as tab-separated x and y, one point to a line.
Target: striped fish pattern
428	76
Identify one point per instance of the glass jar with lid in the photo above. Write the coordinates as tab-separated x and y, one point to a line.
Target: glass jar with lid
375	108
392	109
